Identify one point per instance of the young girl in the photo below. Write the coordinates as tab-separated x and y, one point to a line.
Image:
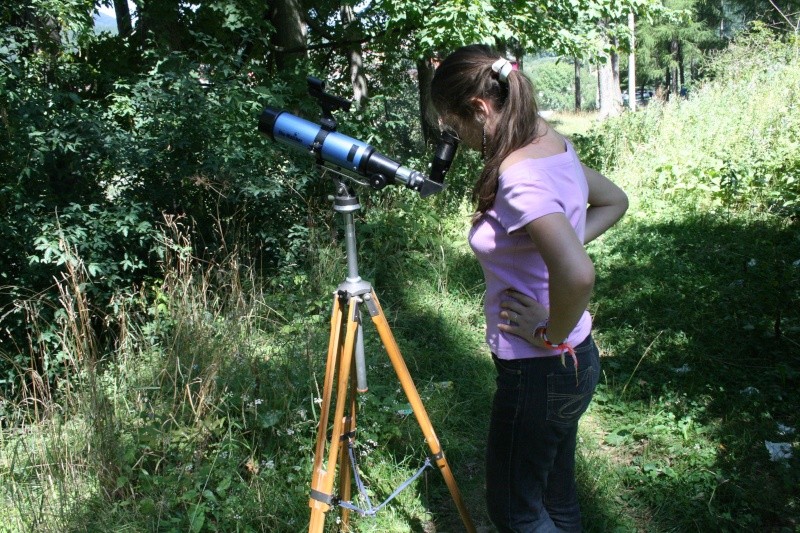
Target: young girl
528	234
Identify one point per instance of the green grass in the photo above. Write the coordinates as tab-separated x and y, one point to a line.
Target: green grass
210	404
698	316
199	410
570	123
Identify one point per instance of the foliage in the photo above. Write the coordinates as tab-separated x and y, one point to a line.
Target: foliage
166	277
744	132
674	42
554	81
571	28
104	140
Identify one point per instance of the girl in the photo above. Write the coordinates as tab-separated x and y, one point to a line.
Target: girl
528	234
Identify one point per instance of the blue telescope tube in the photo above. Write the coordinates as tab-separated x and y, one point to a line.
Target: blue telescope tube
335	148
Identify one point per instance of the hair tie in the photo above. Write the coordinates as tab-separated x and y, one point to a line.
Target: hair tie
503	67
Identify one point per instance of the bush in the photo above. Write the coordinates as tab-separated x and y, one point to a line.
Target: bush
95	161
733	143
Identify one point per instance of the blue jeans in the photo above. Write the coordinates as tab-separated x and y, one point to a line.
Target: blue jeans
530	456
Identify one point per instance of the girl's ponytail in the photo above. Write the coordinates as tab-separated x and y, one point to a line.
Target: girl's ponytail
479	71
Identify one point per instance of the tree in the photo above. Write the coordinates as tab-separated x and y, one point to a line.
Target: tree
632	61
123	15
673	42
358	78
290	40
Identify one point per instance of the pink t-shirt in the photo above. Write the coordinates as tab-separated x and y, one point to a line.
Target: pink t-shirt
526	191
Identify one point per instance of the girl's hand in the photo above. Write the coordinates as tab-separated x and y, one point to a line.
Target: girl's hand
522	314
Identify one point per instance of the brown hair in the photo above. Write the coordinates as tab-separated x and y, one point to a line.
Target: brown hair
466	74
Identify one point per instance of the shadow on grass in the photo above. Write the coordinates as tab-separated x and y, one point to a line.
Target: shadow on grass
700	319
696	379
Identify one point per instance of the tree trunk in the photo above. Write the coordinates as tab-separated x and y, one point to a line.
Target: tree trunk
616	91
289	38
354	59
430	130
632	62
578	102
597	89
674	77
123	14
609	94
608	87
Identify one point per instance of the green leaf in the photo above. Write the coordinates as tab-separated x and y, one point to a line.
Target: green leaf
224	485
197	517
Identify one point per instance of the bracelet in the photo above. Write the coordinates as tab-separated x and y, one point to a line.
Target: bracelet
541	333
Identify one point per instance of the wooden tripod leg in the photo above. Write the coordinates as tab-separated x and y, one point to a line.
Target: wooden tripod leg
339	354
379	319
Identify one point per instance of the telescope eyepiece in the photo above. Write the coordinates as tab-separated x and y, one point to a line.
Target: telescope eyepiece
443	157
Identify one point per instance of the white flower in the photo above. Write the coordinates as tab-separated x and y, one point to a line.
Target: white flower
779	451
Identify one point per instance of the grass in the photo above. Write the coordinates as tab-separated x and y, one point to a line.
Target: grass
209	405
571	123
211	415
702	337
199	410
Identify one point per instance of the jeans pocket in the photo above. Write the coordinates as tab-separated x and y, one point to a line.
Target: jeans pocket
568	398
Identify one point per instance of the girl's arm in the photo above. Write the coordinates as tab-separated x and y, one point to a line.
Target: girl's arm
571	282
571	270
607	204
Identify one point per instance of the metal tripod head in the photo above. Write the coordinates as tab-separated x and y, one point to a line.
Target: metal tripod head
346	203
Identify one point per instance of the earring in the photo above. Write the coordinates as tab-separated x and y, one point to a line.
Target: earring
483	143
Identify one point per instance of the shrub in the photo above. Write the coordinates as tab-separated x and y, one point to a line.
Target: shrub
733	143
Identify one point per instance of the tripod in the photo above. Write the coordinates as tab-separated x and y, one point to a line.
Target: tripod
346	345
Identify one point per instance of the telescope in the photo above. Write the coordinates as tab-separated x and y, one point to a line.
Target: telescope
348	156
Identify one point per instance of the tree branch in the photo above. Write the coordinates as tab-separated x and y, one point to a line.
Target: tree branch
321	46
